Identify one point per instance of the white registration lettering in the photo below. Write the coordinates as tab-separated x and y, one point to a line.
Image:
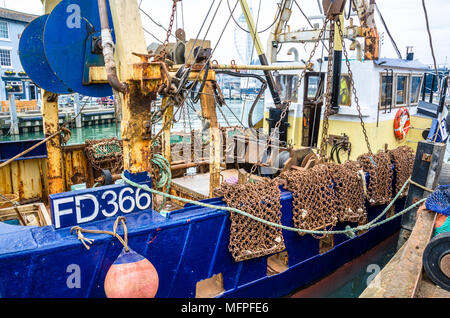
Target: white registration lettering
110	202
58	213
78	200
148	199
123	199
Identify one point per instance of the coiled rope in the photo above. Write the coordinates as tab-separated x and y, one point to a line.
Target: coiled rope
166	176
349	231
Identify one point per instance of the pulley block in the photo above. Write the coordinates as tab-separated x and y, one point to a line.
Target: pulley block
33	59
60	51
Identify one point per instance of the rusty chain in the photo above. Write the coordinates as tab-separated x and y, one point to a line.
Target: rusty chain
350	73
327	112
287	104
169	29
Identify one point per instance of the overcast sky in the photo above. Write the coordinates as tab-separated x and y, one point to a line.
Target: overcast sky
405	19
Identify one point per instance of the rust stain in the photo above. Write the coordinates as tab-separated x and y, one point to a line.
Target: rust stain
136	143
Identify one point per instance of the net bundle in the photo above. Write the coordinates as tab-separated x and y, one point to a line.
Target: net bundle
105	154
250	238
403	160
326	194
381	174
439	200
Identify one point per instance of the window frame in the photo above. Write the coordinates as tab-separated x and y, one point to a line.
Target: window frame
7	29
7	49
421	76
406	89
294	98
380	106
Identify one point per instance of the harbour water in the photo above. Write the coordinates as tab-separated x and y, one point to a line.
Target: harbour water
229	115
350	280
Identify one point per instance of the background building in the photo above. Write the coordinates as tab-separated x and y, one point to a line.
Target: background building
13	78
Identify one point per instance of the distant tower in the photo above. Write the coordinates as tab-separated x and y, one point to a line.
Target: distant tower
243	41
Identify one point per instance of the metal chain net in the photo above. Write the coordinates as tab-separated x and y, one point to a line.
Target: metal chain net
349	194
105	154
326	194
403	160
381	174
249	238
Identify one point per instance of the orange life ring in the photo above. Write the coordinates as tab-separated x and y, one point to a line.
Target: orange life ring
402	123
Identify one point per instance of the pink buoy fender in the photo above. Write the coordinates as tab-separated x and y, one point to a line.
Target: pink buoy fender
131	276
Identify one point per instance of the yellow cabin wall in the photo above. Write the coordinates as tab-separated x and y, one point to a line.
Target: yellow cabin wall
378	136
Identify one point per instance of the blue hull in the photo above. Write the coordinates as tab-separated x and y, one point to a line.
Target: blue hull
189	247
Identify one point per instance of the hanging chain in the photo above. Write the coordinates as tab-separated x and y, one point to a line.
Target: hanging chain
358	107
287	104
169	30
327	113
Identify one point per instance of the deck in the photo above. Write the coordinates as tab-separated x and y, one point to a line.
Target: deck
404	276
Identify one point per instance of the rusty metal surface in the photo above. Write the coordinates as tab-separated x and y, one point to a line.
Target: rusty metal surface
75	166
26	178
208	104
51	125
136	144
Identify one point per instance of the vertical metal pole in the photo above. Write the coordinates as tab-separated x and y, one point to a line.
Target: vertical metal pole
50	121
260	51
135	121
165	137
208	103
13	115
77	109
337	66
433	82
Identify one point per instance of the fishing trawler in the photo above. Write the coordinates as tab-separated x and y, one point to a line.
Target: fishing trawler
266	210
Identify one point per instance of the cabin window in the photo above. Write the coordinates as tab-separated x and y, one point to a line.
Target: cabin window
386	91
345	95
286	85
416	84
313	87
401	91
4	30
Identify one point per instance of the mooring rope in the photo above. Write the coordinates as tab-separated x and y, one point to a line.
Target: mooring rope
348	230
87	241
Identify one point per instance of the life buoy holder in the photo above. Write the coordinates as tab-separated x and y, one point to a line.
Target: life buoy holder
402	123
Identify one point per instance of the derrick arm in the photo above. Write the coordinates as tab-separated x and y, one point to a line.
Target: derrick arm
365	10
366	14
278	27
261	55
